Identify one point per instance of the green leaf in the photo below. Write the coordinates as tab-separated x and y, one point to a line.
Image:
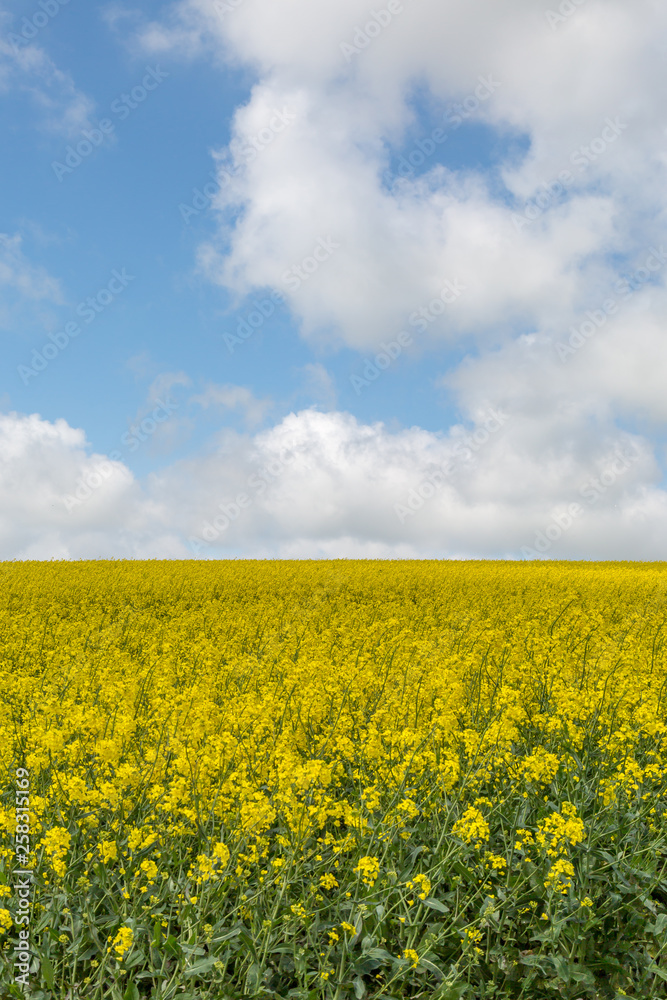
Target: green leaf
227	935
131	993
193	949
451	991
172	947
249	943
380	953
534	961
462	870
657	971
359	987
435	904
609	964
659	926
367	964
200	968
253	977
431	967
47	971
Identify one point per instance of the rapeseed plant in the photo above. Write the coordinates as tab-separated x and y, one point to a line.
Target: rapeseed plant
343	779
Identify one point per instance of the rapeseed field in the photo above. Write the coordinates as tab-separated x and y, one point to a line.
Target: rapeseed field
333	780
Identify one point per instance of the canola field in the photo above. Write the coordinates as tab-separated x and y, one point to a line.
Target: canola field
337	779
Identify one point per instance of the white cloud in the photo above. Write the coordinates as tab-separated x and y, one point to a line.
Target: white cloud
324	485
18	274
303	208
234	397
322	175
59	501
23	285
26	68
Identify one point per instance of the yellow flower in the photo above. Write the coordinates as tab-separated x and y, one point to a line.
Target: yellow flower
122	942
472	826
328	881
221	854
368	867
557	831
411	955
422	885
108	850
149	869
473	935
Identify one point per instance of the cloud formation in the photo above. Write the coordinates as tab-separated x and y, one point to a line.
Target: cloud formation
545	271
323	484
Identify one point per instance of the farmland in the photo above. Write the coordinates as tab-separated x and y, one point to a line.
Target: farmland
333	779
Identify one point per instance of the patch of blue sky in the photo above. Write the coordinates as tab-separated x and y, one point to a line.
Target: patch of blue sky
120	209
455	135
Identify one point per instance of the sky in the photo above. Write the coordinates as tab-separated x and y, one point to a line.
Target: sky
284	279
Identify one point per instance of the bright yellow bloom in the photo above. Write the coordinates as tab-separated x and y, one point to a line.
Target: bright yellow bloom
328	881
472	826
559	877
149	869
420	883
369	868
122	942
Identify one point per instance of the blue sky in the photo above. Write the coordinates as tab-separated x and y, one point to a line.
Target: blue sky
441	193
131	204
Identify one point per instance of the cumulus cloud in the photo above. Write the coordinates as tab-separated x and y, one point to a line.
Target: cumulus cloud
536	270
593	83
323	484
58	501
